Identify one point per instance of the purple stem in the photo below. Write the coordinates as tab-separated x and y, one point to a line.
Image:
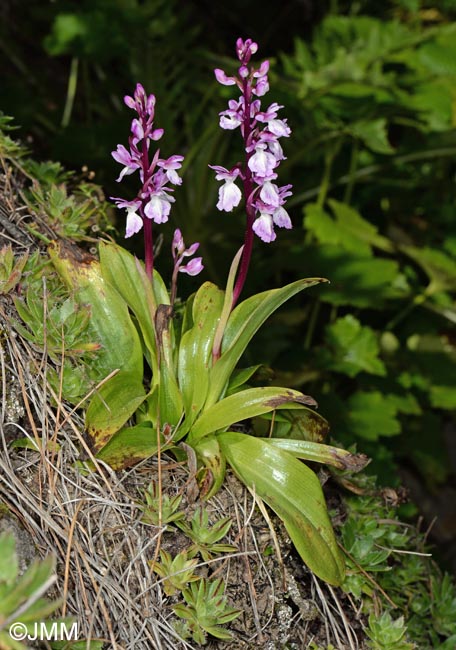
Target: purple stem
147	223
248	190
148	245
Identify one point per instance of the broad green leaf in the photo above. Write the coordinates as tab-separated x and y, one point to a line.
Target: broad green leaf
195	350
439	55
110	320
443	397
127	275
243	323
407	403
240	377
170	401
241	406
129	446
318	453
294	492
351	348
112	405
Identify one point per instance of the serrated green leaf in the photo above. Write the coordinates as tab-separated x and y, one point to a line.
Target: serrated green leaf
346	229
372	414
358	281
293	491
352	348
374	134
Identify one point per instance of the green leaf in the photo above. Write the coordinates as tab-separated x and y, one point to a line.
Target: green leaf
318	453
374	134
195	350
112	405
293	491
299	424
8	558
243	323
440	267
356	280
110	320
352	348
347	229
209	452
170	401
240	377
241	406
227	304
443	397
37	574
372	414
127	275
129	446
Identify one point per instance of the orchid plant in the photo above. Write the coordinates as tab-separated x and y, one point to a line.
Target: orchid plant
196	393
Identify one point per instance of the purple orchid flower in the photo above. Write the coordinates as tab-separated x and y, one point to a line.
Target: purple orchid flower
180	252
154	199
261	131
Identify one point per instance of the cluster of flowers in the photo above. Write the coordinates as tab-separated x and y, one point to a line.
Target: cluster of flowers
154	199
261	131
264	199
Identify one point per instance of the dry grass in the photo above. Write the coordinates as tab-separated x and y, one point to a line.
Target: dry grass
91	521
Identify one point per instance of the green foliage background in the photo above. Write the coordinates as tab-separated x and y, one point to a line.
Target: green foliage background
370	92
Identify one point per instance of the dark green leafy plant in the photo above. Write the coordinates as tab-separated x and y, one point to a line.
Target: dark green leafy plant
176	572
205	611
207	539
388	634
388	561
10	268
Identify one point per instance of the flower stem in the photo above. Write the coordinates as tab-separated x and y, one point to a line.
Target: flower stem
246	255
248	191
148	245
147	223
174	283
